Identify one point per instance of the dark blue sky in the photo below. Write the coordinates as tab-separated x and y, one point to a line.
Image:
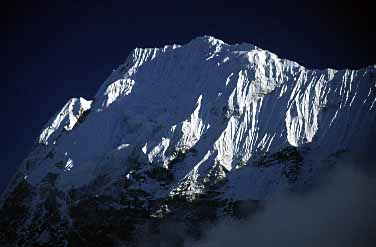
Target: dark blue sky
55	51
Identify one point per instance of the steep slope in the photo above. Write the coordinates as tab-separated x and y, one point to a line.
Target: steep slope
202	122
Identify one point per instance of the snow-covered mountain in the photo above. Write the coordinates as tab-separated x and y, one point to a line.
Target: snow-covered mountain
176	126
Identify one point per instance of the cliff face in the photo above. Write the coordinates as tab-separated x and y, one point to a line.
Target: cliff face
189	132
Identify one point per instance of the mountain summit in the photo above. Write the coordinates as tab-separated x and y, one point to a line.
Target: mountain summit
190	131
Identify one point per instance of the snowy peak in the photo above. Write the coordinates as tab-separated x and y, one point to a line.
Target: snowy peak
209	121
198	51
233	104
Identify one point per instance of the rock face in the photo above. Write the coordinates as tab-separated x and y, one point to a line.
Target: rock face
184	134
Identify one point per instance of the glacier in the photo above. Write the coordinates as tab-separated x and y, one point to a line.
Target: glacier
185	120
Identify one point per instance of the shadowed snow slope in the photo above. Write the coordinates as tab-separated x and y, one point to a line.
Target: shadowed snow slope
209	115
